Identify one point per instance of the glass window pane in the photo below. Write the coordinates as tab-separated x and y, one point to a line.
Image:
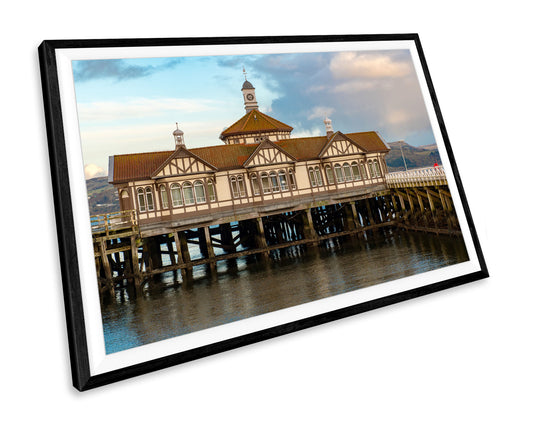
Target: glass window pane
338	173
175	193
355	171
211	191
199	191
142	203
164	197
292	180
312	178
274	182
378	169
318	176
188	194
255	185
283	181
347	172
242	188
265	183
149	199
329	175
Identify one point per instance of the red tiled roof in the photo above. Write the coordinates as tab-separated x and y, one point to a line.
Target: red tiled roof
253	122
226	157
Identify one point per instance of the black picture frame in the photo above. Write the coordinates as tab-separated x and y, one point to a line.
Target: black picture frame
68	245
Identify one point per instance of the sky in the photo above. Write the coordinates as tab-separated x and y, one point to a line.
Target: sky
132	105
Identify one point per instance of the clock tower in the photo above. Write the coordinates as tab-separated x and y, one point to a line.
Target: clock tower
248	92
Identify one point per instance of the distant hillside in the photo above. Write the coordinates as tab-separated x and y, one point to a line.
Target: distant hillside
415	157
103	197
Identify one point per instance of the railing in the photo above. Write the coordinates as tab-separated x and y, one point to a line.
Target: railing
113	221
415	177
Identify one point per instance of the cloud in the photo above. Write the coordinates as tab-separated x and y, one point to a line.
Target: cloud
109	111
117	69
346	65
320	112
92	171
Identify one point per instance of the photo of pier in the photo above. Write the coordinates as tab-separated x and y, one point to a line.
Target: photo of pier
226	187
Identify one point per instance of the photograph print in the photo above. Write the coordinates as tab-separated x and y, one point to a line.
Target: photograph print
227	191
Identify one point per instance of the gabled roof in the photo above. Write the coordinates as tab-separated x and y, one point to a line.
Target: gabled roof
253	122
181	151
227	157
268	144
338	136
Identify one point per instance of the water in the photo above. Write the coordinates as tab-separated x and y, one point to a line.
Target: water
246	287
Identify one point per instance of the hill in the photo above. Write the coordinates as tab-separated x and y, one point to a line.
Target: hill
415	157
102	196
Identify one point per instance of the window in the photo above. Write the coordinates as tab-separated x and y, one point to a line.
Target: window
371	168
283	180
347	172
188	195
363	170
338	173
149	198
292	180
274	181
237	186
199	192
175	193
211	191
265	183
329	175
142	202
242	188
255	184
355	171
164	197
318	176
312	177
378	169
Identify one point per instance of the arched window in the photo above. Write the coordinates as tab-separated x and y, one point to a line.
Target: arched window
242	188
329	175
255	184
176	195
292	180
274	184
142	200
371	169
164	196
355	171
211	190
188	195
283	180
312	177
265	183
318	176
149	198
199	192
347	172
338	173
237	186
362	167
378	169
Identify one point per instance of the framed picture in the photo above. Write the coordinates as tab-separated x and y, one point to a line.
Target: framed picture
212	193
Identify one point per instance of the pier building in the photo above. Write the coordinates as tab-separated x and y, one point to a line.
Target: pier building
258	192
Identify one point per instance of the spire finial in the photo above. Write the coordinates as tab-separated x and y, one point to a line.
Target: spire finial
244	72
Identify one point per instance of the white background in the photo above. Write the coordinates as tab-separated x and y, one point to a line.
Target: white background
463	356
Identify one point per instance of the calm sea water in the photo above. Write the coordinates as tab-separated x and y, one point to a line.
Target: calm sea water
249	286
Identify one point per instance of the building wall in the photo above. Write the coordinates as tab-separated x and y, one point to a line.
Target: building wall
241	193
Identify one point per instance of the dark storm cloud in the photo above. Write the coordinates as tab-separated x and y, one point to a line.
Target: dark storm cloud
117	69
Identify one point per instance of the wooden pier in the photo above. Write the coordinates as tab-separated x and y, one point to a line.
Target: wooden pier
125	255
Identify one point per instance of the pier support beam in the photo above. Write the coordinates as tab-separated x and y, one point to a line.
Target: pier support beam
308	228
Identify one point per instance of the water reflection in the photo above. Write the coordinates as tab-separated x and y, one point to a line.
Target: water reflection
249	286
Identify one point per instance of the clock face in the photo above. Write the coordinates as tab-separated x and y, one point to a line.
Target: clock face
249	96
